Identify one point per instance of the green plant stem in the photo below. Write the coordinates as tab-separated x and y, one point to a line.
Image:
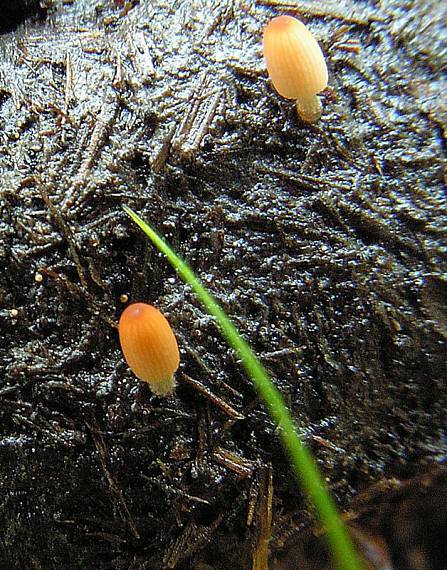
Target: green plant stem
344	553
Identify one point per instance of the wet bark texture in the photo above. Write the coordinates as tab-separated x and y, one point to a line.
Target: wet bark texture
325	243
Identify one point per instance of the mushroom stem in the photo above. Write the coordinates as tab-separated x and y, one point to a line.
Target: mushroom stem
309	109
164	387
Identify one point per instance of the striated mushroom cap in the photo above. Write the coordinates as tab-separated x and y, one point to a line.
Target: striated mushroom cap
295	62
149	346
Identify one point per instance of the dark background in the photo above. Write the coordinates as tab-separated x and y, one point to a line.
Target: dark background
326	245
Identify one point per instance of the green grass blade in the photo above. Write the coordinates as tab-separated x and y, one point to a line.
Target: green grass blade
345	556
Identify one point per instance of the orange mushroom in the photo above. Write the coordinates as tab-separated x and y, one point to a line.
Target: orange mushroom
149	346
295	64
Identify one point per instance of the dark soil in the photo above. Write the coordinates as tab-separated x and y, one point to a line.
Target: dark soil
326	244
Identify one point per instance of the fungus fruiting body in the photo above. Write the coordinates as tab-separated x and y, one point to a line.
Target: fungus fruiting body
295	64
149	346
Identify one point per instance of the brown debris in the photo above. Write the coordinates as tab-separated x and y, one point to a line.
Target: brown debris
216	400
264	521
115	490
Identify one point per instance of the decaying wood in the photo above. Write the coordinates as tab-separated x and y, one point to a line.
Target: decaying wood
324	243
115	490
264	521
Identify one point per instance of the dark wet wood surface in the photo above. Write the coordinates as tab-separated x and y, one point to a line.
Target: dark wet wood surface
326	245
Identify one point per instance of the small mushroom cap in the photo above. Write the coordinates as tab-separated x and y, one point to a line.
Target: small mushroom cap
294	59
149	346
